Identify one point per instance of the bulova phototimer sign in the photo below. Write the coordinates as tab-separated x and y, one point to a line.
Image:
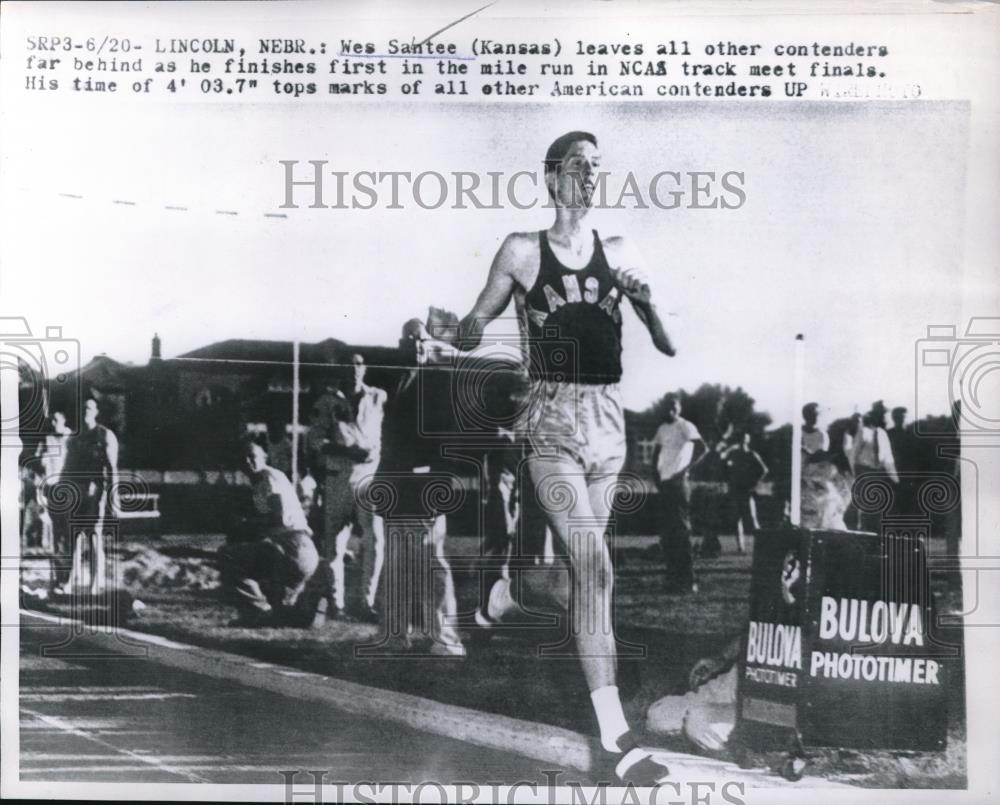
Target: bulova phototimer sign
839	643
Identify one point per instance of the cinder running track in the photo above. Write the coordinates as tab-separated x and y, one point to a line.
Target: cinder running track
131	720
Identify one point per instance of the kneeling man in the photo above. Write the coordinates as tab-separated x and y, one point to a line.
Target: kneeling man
268	560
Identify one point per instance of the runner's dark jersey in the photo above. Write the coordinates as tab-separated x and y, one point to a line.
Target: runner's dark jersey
572	321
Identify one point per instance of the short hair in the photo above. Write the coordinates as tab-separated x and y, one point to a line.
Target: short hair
670	399
411	328
560	147
899	410
810	408
251	446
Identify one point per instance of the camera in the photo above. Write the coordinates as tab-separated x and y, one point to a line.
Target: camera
968	367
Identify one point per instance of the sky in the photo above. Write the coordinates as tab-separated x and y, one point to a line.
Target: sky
851	232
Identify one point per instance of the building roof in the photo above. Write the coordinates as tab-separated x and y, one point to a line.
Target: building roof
104	373
329	351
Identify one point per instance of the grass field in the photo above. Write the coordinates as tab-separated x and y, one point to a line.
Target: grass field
662	636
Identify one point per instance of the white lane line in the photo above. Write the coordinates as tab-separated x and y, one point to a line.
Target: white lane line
120	768
38	733
102	688
143	759
99	697
38	757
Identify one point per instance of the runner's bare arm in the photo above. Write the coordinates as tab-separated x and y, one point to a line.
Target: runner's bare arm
495	297
628	270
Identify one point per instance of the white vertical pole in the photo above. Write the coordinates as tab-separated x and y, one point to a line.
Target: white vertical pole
799	383
295	411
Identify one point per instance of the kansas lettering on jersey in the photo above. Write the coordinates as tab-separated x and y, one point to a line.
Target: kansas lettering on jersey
572	321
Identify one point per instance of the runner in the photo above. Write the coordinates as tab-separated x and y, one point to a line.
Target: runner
568	283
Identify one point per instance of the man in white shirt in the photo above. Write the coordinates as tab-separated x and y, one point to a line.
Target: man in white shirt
353	413
869	452
51	455
267	562
677	447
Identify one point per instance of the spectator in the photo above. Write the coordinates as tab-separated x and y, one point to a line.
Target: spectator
89	477
826	493
745	470
306	490
270	555
33	518
706	713
51	456
712	468
905	454
515	526
314	440
677	447
279	447
420	573
870	455
52	448
501	509
346	440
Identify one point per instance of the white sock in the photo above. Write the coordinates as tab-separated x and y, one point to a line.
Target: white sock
610	716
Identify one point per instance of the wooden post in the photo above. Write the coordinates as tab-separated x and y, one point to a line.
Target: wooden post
295	412
799	383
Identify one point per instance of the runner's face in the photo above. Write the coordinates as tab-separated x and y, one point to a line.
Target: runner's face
577	175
